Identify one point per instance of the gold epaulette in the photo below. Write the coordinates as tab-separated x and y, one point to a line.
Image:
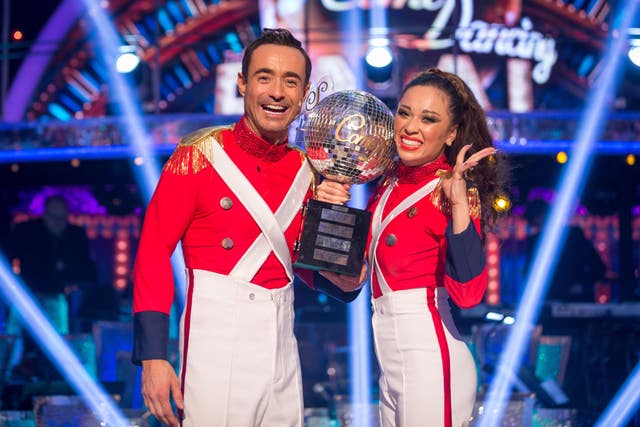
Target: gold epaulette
441	202
475	205
194	153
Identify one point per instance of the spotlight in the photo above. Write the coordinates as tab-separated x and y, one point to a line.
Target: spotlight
630	159
502	203
496	317
509	320
128	60
561	157
379	62
379	56
505	319
17	35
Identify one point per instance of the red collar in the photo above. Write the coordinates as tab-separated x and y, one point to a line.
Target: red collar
252	144
419	174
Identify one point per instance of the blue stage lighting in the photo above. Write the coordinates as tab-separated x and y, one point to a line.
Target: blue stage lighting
16	295
58	111
124	94
78	91
359	324
358	312
175	12
165	21
625	403
553	233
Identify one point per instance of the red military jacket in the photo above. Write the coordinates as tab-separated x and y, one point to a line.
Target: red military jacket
192	204
417	249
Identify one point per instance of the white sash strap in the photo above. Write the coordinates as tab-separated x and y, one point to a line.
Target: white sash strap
257	207
378	226
255	256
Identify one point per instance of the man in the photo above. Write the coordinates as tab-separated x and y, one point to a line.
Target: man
55	264
233	197
54	258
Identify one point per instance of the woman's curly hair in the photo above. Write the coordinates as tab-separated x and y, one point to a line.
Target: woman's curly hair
467	114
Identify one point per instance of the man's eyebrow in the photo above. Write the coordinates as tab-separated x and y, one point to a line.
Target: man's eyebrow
293	74
271	73
264	71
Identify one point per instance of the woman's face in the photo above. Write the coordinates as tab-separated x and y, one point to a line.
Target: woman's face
422	125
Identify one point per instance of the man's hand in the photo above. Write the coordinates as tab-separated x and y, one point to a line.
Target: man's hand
333	192
159	382
346	283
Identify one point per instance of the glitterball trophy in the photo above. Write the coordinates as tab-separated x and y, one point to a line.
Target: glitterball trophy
348	137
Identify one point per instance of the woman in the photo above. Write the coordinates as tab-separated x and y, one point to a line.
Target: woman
425	246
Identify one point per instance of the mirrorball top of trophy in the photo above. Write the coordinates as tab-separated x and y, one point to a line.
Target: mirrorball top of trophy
349	137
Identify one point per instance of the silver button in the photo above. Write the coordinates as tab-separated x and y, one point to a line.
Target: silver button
227	243
252	296
226	203
391	240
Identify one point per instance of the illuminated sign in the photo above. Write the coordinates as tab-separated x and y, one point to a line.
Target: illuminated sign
472	35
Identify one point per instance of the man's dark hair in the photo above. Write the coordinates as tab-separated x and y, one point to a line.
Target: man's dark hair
280	37
56	198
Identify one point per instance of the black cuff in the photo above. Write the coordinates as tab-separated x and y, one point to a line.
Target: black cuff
150	336
465	254
325	286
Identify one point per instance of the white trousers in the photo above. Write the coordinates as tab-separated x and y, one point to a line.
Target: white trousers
426	371
240	364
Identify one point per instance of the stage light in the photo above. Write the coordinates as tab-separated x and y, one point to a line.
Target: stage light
17	35
505	319
379	63
502	203
379	56
630	159
561	157
634	52
127	61
492	315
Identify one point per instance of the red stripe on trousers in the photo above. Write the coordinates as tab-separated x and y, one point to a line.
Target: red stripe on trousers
444	354
185	332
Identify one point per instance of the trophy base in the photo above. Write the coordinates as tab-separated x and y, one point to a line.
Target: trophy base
334	238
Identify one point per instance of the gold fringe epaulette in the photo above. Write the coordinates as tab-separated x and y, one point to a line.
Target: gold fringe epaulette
475	206
194	153
441	202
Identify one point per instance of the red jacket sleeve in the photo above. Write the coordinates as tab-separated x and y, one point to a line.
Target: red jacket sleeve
465	266
168	215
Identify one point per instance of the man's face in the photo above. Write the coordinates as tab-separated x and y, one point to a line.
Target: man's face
273	90
55	217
